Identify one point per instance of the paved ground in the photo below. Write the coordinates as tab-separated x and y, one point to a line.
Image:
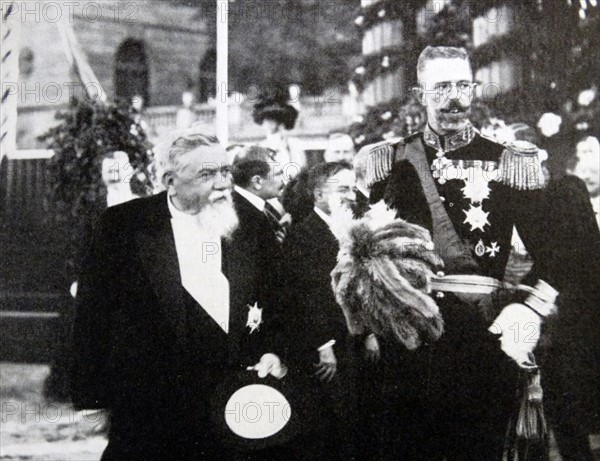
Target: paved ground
33	429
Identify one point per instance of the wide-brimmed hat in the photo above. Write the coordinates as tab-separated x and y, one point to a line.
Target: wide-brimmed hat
273	105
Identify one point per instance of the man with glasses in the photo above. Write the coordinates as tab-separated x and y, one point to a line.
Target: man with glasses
317	328
453	398
163	310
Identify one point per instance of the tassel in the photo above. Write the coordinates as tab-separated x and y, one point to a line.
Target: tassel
531	422
520	167
380	161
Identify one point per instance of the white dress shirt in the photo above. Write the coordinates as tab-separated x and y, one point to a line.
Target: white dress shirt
200	259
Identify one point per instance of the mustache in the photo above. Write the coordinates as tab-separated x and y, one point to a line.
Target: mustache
218	196
454	105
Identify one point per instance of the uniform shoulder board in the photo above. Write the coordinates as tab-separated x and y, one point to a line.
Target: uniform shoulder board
520	166
380	159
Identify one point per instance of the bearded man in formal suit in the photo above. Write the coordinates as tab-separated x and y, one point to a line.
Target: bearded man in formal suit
163	310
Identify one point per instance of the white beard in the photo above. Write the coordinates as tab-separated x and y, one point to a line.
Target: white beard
218	219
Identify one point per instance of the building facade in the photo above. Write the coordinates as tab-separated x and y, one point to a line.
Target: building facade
145	48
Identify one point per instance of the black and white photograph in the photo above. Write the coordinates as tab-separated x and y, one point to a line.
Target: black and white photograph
313	230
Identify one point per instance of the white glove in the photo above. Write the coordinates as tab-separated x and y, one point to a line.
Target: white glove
519	327
270	364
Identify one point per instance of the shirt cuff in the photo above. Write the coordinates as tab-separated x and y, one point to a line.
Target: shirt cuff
542	299
329	343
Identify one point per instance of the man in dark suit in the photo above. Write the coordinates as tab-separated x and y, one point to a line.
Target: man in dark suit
258	179
167	309
319	330
570	354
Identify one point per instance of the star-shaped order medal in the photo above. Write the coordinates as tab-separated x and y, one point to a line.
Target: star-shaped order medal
254	317
476	218
476	188
438	166
495	248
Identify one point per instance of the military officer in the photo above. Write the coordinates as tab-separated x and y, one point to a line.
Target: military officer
453	398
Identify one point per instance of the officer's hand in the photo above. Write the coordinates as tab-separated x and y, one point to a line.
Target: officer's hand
519	327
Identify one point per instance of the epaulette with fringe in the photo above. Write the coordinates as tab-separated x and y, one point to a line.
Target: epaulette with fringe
380	159
520	167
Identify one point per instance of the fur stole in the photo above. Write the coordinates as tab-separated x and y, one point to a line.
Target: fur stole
382	278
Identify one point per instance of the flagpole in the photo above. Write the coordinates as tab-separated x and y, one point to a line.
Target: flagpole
222	128
9	51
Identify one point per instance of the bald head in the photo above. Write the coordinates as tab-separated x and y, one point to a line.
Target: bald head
340	148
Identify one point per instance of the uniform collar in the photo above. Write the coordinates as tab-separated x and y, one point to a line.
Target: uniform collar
451	142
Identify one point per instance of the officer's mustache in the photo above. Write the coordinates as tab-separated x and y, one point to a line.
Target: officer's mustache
454	107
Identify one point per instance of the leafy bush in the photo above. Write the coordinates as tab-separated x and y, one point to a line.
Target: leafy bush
89	131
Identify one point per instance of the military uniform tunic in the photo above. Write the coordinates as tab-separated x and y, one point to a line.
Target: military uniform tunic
469	191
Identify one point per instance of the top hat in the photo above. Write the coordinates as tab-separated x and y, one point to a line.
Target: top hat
252	413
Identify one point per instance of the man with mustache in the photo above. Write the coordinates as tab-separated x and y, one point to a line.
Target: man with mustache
340	147
316	324
258	179
163	310
453	399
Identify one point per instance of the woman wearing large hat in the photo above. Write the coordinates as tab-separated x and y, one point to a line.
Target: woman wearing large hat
277	117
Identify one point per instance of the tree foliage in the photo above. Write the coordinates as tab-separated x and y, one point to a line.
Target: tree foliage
280	42
88	131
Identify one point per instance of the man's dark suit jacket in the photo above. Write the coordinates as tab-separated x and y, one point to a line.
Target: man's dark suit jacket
570	359
255	227
311	254
314	318
144	348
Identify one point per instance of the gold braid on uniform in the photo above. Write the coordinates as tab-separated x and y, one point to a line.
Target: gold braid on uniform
380	159
520	166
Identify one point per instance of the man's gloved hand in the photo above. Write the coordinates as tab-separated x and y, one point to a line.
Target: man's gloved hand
270	364
519	327
372	351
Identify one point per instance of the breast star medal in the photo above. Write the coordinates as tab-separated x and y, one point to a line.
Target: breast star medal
476	218
438	165
254	317
476	188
